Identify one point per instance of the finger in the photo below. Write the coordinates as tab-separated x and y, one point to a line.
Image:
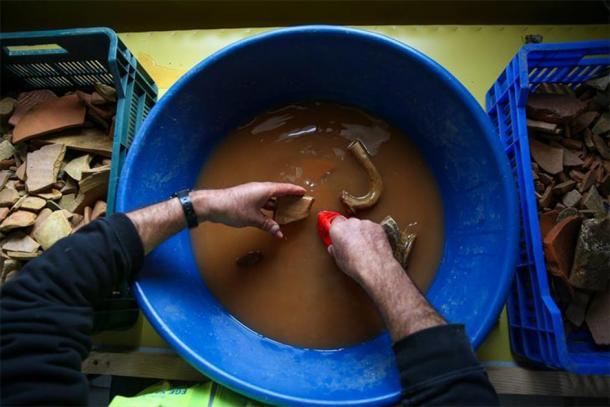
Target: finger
337	220
269	225
334	231
283	189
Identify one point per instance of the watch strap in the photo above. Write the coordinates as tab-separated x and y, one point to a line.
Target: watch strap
187	207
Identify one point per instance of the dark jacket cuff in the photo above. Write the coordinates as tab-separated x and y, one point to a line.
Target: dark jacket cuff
434	355
129	237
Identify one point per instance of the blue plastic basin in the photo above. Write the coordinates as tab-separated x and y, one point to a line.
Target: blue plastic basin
354	67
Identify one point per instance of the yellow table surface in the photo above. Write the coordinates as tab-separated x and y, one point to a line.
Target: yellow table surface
474	54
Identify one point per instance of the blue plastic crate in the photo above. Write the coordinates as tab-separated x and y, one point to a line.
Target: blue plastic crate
63	60
535	323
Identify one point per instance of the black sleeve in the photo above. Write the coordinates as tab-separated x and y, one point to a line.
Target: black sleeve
438	367
46	312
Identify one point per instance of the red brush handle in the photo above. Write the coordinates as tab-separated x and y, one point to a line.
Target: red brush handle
325	218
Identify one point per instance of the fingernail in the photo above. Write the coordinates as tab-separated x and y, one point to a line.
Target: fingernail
279	234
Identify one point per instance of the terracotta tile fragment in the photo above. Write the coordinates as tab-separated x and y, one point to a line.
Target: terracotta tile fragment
602	125
43	166
547	221
291	209
91	140
559	244
550	159
554	108
51	116
587	181
583	121
564	187
27	100
551	128
572	143
572	198
19	219
570	159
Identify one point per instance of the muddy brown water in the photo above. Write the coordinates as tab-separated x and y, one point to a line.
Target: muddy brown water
296	294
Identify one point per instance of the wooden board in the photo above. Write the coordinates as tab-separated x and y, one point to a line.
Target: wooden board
510	379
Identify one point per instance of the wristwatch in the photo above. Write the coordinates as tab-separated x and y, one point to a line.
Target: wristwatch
187	207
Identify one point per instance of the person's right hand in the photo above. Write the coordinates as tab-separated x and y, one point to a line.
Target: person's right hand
361	250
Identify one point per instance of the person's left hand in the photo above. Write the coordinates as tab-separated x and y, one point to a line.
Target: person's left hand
242	205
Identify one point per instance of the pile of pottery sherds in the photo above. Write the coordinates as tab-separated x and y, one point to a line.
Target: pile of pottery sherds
54	167
569	135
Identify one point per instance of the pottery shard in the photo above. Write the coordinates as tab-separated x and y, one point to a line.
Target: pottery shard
43	166
70	187
25	256
8	197
572	198
602	125
53	228
566	213
51	116
546	199
547	222
42	216
601	146
7	150
52	195
545	178
92	188
550	159
89	140
9	270
544	127
594	202
575	313
100	168
587	180
292	208
20	172
554	108
564	187
598	318
4	177
600	84
76	167
97	99
27	100
570	159
4	213
70	202
591	267
7	107
583	121
20	242
105	91
572	143
18	219
33	203
249	259
559	245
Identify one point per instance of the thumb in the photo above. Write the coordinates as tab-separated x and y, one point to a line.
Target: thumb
269	225
331	251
